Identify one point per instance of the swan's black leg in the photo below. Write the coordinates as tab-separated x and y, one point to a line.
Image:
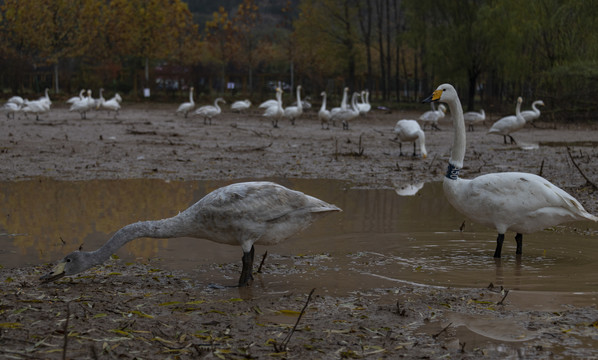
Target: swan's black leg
414	149
499	240
400	149
246	272
504	137
512	140
519	239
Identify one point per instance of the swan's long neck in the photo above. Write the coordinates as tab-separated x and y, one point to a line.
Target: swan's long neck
536	110
344	101
216	104
458	150
191	95
323	103
299	105
166	228
354	102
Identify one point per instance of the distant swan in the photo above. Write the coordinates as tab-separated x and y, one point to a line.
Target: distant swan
345	116
275	112
112	104
473	117
242	214
324	114
364	106
410	131
432	117
514	201
187	107
240	105
293	112
509	124
531	115
209	111
74	99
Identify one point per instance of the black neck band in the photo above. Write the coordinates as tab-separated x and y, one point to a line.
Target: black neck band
452	172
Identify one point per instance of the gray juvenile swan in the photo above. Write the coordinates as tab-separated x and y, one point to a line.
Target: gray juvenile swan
238	214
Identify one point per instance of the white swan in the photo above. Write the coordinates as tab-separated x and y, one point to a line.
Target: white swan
16	100
510	201
410	131
531	115
473	117
74	99
241	105
209	111
10	108
97	103
113	104
293	112
36	107
345	116
84	105
509	124
343	102
432	117
268	103
242	214
187	107
46	98
364	106
275	112
324	114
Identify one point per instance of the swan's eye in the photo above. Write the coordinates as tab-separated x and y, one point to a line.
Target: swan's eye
68	260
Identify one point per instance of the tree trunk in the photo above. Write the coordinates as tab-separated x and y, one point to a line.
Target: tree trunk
56	85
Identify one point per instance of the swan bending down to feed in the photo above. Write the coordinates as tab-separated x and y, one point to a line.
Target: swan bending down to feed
509	124
239	214
410	131
514	201
209	111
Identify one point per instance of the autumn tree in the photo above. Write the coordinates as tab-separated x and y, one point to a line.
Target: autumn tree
50	31
219	37
244	23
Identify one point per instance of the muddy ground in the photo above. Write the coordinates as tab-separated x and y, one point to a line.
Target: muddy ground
129	311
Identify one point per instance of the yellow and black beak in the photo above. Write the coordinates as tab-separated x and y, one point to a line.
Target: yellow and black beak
56	273
434	97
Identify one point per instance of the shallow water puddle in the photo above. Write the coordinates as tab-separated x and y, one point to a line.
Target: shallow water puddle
381	239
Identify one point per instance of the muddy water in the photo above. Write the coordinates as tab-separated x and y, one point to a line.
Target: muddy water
381	239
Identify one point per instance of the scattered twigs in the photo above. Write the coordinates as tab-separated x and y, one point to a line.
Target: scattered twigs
259	269
66	330
283	345
578	169
501	302
441	331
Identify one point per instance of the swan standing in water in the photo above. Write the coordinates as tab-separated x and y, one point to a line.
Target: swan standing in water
241	105
509	201
509	124
293	112
275	112
242	214
531	115
473	117
209	111
432	117
324	114
410	131
187	107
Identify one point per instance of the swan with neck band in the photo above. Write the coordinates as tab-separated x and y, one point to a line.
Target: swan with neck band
509	201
